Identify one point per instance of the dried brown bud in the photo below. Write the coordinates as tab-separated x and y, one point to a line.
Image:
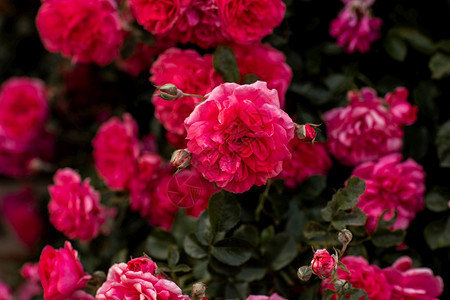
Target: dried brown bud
304	273
169	92
345	236
342	286
181	158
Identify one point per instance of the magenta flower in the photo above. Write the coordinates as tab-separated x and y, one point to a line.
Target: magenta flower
323	264
274	296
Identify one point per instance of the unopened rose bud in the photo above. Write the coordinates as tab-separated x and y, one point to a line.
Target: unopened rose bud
198	290
342	286
304	273
169	92
323	264
306	132
181	158
345	236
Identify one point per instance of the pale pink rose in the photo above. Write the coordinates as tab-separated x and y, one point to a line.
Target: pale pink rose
394	186
133	281
189	72
116	151
402	111
363	276
364	130
274	296
23	109
20	211
247	21
86	31
323	264
267	63
199	25
5	292
62	274
158	16
75	207
239	136
307	159
355	28
412	283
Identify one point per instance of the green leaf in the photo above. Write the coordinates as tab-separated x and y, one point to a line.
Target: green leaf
224	211
181	268
193	247
313	186
249	233
416	39
347	197
443	144
437	234
267	234
354	218
173	256
225	64
232	251
387	238
182	226
250	78
280	251
158	243
436	202
252	274
395	47
343	267
439	65
383	223
203	229
314	229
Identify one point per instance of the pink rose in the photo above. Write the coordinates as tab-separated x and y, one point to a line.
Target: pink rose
239	136
401	110
274	296
307	159
412	283
363	276
32	286
364	130
144	264
246	21
20	210
189	72
23	109
5	292
394	186
75	207
136	281
323	264
62	274
267	63
116	150
355	28
158	16
86	31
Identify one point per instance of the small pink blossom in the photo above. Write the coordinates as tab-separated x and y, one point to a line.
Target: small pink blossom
274	296
307	159
142	264
116	151
32	286
247	21
75	207
355	28
239	136
62	274
5	292
412	283
323	264
401	110
394	186
365	129
136	281
87	31
363	276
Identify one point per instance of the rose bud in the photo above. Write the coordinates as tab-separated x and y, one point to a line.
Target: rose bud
169	92
181	158
323	264
304	273
306	132
345	236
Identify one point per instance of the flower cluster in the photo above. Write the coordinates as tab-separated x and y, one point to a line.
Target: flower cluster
355	28
369	127
209	22
24	141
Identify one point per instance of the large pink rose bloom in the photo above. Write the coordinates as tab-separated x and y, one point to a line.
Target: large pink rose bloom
239	136
412	283
274	296
158	16
355	28
307	160
394	186
267	63
116	151
75	207
85	31
192	74
62	274
137	280
247	21
363	276
366	129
